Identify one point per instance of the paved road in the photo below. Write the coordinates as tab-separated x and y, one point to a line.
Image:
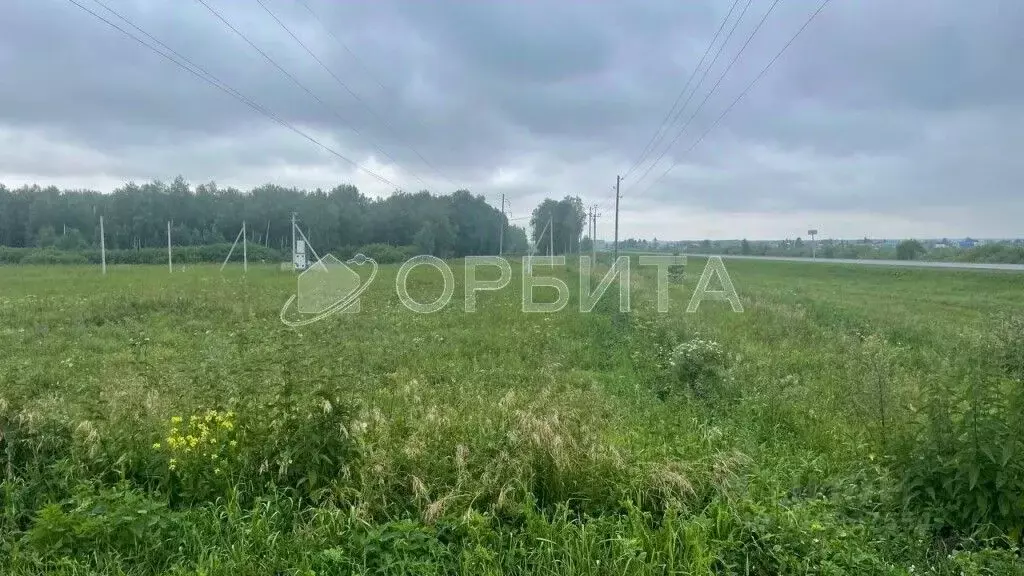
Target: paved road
870	262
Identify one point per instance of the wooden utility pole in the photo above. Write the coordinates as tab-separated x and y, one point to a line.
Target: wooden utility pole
618	181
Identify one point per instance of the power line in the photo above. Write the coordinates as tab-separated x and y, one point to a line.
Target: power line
298	83
607	202
345	46
355	57
665	121
209	78
743	93
349	90
713	88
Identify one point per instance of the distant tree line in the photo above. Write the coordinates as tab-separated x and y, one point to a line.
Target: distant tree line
1009	252
339	220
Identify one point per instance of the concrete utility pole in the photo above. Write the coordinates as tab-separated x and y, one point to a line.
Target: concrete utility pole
590	223
170	265
293	240
501	235
590	230
551	236
103	247
618	181
245	254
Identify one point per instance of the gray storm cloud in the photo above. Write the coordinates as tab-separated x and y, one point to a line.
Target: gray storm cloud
903	115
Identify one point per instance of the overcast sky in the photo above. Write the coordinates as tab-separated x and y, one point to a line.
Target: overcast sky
884	118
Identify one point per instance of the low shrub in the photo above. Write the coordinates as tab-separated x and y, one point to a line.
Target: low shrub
387	254
53	256
697	366
211	253
116	519
961	461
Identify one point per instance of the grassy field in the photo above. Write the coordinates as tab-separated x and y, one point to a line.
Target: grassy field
851	420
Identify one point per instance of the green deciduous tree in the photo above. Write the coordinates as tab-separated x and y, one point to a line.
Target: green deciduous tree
342	218
909	250
558	224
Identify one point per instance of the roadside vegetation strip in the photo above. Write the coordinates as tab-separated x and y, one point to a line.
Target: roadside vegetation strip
866	422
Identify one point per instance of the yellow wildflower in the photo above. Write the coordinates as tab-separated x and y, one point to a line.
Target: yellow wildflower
175	419
156	446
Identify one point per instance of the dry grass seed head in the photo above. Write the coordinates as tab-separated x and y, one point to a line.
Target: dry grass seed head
461	456
728	467
434	510
419	489
671	480
89	436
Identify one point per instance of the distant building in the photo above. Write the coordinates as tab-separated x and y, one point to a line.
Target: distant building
968	243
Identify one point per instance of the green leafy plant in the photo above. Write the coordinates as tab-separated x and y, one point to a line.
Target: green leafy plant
962	462
696	365
116	518
202	454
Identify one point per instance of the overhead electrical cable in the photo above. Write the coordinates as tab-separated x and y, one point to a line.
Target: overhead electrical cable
649	147
742	94
345	87
302	86
713	88
186	64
